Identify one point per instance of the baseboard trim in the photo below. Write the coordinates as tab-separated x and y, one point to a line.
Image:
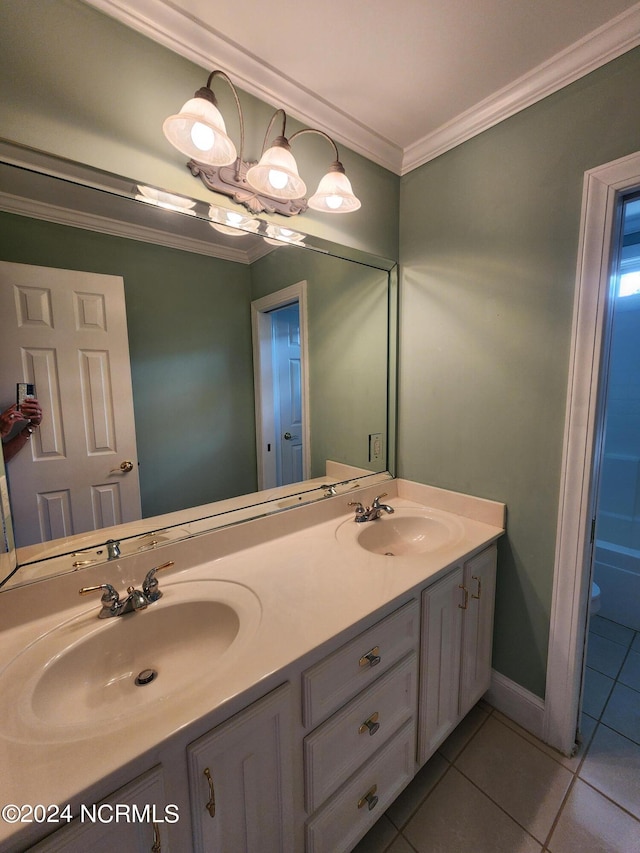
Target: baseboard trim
524	708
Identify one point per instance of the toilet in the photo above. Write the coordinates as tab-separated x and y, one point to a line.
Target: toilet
595	599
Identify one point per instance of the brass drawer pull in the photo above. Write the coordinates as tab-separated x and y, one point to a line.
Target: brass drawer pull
371	725
466	597
476	578
372	658
369	798
211	805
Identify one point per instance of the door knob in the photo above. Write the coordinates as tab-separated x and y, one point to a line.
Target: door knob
124	468
287	436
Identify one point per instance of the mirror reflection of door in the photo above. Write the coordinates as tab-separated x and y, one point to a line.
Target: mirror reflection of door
66	332
281	378
285	326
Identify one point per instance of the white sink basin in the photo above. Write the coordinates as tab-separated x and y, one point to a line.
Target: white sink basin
407	532
89	673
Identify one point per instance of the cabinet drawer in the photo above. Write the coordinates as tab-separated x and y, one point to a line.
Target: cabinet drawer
348	815
329	684
352	735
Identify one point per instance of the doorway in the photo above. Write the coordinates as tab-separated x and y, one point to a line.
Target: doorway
603	191
611	683
279	323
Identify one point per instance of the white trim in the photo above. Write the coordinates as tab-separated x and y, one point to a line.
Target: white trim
263	378
524	708
594	50
189	38
571	582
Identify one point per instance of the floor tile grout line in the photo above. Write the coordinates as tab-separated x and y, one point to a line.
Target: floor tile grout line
611	800
437	783
556	820
502	809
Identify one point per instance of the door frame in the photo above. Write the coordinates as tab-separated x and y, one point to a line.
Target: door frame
583	432
264	379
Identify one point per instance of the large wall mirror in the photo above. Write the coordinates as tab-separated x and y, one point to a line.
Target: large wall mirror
259	373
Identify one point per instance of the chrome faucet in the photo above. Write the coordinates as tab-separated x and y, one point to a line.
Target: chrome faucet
373	512
136	599
113	549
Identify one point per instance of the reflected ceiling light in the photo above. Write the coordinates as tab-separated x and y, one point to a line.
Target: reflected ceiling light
276	236
232	223
166	200
273	184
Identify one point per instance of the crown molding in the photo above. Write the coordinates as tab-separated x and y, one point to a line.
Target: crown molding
168	26
106	225
601	46
194	41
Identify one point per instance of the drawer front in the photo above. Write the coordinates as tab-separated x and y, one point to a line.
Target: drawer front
351	736
348	815
329	684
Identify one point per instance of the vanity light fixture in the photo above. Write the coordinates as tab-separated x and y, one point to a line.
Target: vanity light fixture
273	183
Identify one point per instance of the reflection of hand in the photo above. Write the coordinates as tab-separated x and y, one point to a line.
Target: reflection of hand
31	411
8	418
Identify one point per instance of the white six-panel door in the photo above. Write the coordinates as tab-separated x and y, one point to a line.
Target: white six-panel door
66	332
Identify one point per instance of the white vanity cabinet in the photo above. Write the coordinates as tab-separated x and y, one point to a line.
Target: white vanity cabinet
114	825
240	781
358	760
457	634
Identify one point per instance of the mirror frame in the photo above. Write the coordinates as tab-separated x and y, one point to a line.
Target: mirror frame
251	505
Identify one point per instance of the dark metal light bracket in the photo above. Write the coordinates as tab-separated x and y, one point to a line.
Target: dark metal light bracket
231	181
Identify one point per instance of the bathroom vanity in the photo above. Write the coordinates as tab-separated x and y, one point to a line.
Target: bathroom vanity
295	674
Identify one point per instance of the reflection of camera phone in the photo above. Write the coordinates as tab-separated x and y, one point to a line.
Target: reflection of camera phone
26	391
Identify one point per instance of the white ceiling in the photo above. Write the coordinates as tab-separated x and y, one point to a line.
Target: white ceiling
399	82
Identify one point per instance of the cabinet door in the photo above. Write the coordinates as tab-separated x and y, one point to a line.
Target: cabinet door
477	627
442	612
115	824
240	781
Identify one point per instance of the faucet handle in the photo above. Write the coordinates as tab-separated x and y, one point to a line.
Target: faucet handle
376	501
110	599
359	508
150	585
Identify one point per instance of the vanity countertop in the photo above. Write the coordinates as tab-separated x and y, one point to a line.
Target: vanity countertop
314	585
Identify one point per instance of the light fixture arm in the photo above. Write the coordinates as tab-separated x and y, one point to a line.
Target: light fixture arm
270	126
320	133
207	92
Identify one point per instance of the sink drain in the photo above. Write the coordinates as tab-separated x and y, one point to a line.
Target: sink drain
146	677
389	554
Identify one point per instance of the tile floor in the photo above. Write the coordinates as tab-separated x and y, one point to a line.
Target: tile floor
494	788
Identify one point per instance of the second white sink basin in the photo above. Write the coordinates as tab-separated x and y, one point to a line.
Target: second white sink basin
89	673
407	532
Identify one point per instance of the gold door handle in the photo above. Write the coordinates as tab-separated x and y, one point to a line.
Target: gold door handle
466	597
125	468
479	581
211	805
157	843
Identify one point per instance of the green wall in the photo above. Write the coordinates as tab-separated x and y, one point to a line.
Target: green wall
188	319
81	85
489	235
348	340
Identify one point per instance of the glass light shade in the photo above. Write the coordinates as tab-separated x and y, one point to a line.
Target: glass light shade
199	131
334	194
276	175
